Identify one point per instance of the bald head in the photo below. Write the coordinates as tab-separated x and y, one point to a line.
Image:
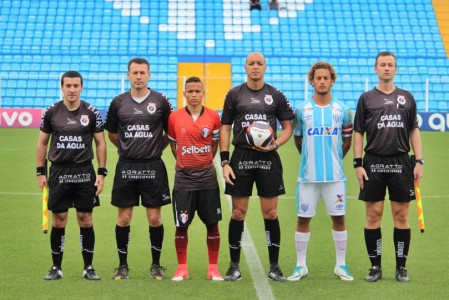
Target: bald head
255	56
255	68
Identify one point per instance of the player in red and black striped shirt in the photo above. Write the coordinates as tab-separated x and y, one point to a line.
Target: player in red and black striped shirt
193	132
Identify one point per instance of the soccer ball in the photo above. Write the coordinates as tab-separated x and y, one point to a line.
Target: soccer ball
259	134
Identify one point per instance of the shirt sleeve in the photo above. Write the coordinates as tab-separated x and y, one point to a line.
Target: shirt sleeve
216	131
167	111
111	123
46	120
359	119
284	111
98	124
227	116
297	122
347	122
171	128
413	114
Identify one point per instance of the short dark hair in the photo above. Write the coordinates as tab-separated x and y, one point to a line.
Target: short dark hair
71	74
193	79
386	53
139	61
321	65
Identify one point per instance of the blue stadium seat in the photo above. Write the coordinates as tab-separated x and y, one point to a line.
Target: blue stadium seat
442	105
334	31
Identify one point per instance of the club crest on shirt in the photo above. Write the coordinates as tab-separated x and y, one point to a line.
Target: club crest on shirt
151	108
336	118
205	132
268	99
401	100
183	217
84	120
304	207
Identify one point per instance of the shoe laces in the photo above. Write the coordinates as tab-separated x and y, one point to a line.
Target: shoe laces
402	271
158	269
345	269
54	270
121	269
276	273
276	270
373	270
89	268
233	267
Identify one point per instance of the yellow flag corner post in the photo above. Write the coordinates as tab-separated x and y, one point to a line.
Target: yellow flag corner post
45	209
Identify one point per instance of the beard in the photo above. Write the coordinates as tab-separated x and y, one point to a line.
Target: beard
322	93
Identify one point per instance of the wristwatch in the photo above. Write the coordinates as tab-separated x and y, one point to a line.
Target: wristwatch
420	161
224	163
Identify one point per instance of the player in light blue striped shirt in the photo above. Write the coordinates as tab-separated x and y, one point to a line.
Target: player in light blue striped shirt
322	129
322	134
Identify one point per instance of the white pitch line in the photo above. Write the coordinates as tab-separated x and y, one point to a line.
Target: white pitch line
355	197
263	289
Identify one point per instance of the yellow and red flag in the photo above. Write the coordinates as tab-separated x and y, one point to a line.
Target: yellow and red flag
45	209
421	224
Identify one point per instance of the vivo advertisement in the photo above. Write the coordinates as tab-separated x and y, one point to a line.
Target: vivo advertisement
20	118
31	118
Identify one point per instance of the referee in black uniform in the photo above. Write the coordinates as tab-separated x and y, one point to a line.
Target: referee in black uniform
254	101
388	116
136	122
71	124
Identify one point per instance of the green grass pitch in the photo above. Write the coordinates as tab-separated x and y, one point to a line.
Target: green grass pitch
25	254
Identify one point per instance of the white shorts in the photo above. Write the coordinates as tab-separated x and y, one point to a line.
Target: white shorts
308	195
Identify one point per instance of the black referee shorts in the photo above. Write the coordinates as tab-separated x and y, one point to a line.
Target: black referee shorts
140	179
72	186
392	172
263	168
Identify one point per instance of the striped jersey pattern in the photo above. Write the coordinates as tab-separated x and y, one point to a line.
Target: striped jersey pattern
322	129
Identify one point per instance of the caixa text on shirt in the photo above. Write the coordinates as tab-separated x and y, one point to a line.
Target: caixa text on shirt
383	168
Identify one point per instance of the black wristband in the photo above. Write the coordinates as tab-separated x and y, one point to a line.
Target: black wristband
102	171
224	155
40	171
358	163
276	146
